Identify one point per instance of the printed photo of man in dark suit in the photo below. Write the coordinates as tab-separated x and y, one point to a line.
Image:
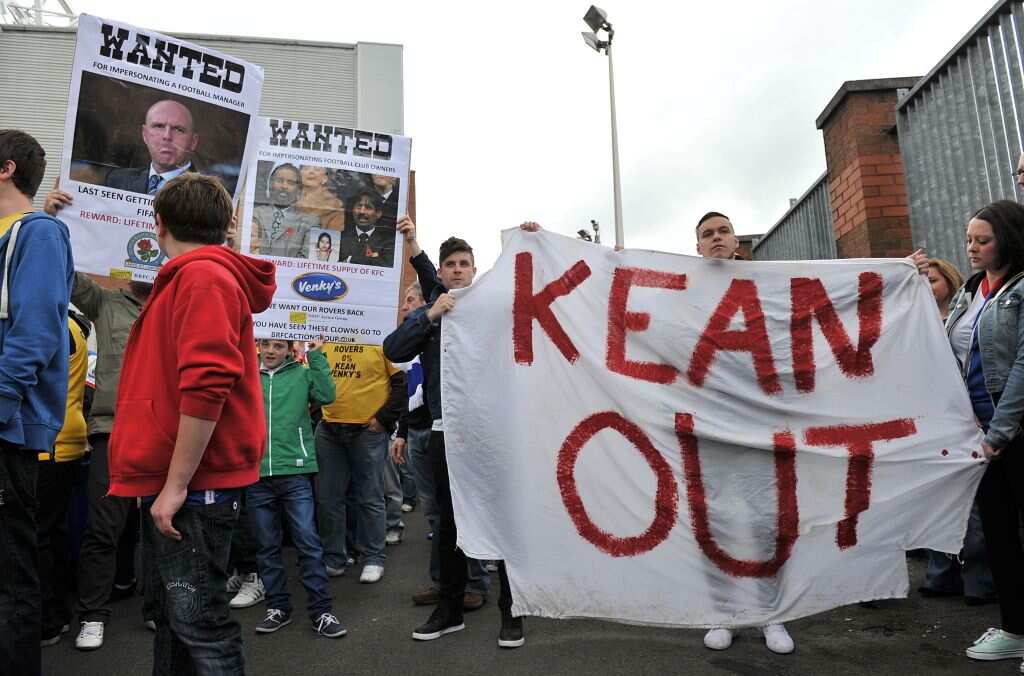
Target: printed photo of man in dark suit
171	139
370	242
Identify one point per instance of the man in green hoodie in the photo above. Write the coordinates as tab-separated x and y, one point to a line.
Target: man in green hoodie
290	457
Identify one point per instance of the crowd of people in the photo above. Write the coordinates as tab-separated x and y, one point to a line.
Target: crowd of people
351	441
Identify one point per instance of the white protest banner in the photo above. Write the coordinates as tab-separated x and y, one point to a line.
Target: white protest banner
143	108
322	202
671	440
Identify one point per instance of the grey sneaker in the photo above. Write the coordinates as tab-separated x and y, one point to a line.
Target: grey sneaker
327	625
274	620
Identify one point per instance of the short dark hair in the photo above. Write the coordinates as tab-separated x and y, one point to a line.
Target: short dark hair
454	245
711	214
195	208
29	160
371	194
1007	220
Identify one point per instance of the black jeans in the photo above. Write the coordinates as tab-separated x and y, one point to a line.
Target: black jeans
53	488
185	586
243	544
1001	497
452	584
20	603
97	560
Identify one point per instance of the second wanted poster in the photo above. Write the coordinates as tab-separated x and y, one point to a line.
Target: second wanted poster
322	202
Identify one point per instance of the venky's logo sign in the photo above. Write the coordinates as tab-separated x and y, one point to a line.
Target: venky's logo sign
320	286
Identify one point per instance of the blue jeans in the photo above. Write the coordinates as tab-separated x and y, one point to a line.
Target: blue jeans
393	496
185	588
947	574
351	454
293	496
477	578
20	599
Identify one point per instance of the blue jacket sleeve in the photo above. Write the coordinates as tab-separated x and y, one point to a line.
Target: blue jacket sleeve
38	292
408	340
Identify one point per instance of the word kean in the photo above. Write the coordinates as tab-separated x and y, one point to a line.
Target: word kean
808	302
350	141
171	57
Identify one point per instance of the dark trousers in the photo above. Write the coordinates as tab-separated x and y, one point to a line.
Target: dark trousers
1001	497
53	488
453	562
97	560
185	584
20	604
243	543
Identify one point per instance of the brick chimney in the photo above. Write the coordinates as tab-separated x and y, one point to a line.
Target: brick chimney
867	190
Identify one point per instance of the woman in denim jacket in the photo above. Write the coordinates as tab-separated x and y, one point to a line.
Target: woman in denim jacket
986	331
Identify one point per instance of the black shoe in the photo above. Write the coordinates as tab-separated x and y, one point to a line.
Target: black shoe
511	634
119	592
437	626
274	620
930	593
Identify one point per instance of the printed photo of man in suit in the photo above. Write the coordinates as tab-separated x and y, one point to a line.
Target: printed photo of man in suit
170	137
370	242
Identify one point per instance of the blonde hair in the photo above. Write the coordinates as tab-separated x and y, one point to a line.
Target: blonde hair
949	273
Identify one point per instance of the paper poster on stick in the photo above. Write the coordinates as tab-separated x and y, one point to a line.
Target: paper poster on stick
322	202
743	442
143	108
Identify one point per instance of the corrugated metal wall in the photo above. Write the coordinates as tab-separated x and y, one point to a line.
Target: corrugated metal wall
305	81
960	132
804	232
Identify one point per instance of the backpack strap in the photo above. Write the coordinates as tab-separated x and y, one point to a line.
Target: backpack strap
4	294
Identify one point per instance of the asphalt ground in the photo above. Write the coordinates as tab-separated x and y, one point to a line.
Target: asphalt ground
904	638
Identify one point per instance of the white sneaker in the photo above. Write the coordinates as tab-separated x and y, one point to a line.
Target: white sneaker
406	507
334	572
234	583
149	624
777	639
371	574
393	537
90	637
719	638
250	593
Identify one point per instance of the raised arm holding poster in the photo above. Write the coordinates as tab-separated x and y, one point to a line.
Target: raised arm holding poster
322	202
671	440
144	108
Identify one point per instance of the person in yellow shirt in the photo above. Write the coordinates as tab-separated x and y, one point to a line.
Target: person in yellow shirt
351	448
57	471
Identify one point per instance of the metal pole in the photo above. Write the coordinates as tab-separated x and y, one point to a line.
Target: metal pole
619	236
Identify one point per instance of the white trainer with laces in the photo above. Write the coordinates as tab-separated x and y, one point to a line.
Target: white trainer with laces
777	639
371	574
250	592
719	638
90	636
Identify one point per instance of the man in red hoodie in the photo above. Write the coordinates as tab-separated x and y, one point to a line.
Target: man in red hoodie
189	431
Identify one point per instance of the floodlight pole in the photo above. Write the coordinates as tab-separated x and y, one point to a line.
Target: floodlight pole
619	235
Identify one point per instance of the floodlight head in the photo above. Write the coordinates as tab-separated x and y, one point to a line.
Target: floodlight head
596	18
592	41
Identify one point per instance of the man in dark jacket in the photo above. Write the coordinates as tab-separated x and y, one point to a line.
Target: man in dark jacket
36	272
420	334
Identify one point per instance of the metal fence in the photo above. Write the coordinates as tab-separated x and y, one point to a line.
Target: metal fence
960	131
804	232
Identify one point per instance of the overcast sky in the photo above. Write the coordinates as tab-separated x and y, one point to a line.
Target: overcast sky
716	100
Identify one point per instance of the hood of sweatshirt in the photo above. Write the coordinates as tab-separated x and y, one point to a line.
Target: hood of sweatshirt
255	276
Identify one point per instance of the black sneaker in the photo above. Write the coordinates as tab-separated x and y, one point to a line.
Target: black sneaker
327	625
274	620
437	626
54	639
511	634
